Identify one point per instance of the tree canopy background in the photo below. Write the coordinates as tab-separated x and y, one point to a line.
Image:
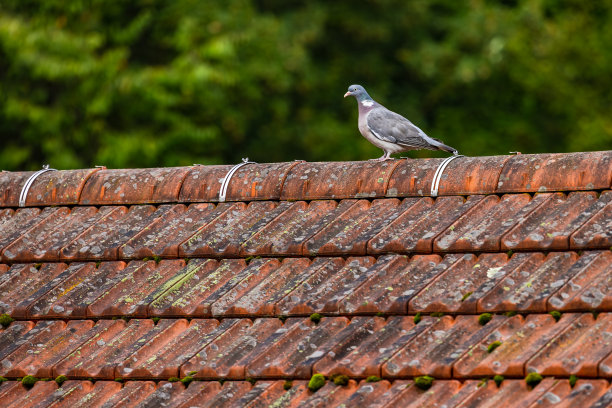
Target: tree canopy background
147	83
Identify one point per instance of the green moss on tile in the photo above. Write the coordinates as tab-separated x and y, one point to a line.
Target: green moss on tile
466	295
436	314
484	318
493	346
340	379
119	380
572	380
315	318
60	379
38	266
157	259
98	263
424	382
6	320
282	318
29	380
192	373
287	385
533	379
250	380
316	381
510	313
555	314
155	319
187	380
174	379
498	380
417	318
3	379
483	382
373	378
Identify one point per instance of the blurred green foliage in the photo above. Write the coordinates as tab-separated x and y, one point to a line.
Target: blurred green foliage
143	83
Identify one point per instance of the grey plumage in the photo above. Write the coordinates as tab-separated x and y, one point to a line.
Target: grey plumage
388	130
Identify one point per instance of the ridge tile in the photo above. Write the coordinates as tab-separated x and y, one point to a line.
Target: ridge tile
133	186
556	172
337	180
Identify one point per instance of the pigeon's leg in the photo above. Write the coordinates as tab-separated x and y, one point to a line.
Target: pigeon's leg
386	156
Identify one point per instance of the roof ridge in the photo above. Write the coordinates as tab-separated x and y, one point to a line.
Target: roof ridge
314	180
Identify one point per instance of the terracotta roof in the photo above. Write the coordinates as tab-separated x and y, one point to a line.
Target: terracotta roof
143	275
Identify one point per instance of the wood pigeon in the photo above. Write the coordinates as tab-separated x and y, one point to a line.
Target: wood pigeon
386	129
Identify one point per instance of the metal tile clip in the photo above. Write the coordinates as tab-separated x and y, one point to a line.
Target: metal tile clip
228	176
29	182
435	183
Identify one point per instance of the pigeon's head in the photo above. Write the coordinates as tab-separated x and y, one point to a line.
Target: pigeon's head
358	92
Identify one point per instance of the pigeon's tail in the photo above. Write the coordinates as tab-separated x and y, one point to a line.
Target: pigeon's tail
446	148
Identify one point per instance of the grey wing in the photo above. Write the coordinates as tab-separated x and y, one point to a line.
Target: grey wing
391	127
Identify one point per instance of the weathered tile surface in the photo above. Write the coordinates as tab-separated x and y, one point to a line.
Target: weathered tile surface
351	231
301	343
44	241
456	290
224	235
550	225
359	243
528	287
394	280
556	172
164	235
590	288
471	175
287	234
62	187
519	339
578	349
338	180
133	186
596	232
483	228
435	350
71	297
417	227
21	281
103	239
323	291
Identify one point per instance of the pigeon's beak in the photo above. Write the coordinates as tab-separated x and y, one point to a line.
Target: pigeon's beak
347	94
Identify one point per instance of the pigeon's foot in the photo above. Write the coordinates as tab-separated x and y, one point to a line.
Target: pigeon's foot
381	159
386	156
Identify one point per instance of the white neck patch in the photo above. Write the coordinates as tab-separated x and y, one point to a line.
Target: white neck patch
367	104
